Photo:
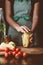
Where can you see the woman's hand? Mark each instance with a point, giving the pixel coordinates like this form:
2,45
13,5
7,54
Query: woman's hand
31,37
23,29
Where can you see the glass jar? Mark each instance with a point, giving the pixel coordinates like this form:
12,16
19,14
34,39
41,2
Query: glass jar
2,26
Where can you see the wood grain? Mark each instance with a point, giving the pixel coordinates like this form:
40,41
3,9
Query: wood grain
32,50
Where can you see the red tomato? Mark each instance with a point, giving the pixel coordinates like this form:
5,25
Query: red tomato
20,53
6,54
9,53
17,56
18,49
14,49
6,49
24,54
13,53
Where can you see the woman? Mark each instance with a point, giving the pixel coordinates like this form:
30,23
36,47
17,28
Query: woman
21,20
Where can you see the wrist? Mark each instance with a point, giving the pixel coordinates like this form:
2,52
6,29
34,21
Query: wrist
32,31
17,26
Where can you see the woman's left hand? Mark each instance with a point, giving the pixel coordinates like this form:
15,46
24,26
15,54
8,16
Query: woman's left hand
31,37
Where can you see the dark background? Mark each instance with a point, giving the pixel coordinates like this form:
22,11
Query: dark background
40,22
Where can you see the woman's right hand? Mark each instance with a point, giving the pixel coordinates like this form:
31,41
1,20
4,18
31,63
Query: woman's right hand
22,29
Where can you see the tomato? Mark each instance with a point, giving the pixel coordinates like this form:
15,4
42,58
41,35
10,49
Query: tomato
6,54
14,49
13,53
20,53
7,49
24,54
18,49
9,53
17,56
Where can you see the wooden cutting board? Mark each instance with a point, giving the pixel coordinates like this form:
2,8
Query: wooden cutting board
32,50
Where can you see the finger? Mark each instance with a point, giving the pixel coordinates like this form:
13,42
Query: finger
24,28
31,35
31,39
22,31
27,28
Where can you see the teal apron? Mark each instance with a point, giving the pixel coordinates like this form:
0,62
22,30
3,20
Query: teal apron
22,9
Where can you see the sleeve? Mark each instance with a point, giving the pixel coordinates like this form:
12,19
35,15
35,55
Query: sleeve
35,1
10,0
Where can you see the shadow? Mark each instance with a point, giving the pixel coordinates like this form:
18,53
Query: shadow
40,24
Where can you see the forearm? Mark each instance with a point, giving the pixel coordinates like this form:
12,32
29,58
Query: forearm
8,14
35,16
34,23
11,22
